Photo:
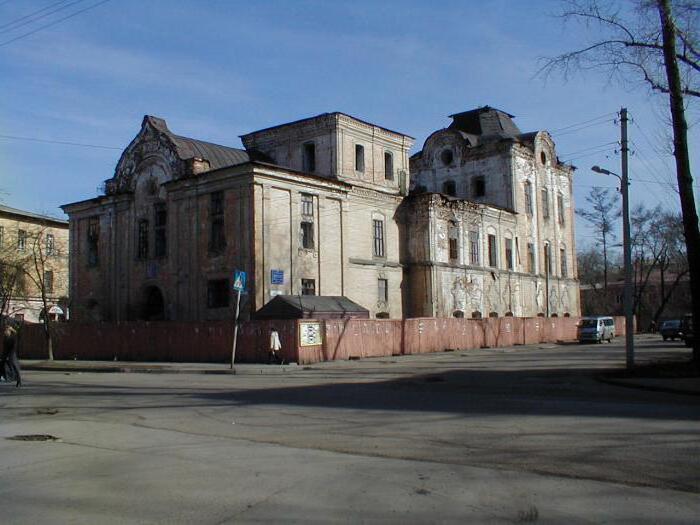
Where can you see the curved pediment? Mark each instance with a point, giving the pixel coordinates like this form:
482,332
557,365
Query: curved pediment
151,147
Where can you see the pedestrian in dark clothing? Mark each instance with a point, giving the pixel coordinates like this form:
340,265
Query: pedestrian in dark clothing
9,363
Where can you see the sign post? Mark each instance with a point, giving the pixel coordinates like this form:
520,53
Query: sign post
239,279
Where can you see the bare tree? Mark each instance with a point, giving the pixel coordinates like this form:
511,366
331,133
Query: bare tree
655,42
12,277
601,216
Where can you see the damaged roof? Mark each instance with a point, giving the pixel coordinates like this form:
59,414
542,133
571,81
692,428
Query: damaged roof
485,122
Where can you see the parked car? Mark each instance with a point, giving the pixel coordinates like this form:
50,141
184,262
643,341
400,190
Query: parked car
670,329
596,329
687,331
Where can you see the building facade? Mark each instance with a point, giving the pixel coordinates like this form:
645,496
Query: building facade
321,206
308,207
489,225
37,247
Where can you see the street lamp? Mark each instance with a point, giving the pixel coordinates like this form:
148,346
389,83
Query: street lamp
627,250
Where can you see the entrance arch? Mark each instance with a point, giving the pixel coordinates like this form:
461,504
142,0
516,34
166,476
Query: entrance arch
153,304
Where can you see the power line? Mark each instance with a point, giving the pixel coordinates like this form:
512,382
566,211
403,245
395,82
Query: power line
565,155
51,24
584,122
30,14
14,25
65,143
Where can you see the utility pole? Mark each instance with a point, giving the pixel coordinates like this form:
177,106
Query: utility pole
626,242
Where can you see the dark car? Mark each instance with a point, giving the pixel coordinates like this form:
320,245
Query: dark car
671,329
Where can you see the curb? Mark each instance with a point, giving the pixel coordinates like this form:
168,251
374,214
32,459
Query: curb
147,370
651,388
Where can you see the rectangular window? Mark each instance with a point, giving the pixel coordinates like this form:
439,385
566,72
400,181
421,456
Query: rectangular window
307,221
545,203
160,223
560,206
21,240
378,250
474,248
359,157
218,294
93,239
562,262
309,161
48,281
308,287
528,198
307,205
547,259
217,233
50,246
142,248
509,254
479,187
383,290
388,166
493,257
454,253
530,257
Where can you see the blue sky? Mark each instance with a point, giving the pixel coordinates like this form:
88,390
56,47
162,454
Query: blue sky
218,69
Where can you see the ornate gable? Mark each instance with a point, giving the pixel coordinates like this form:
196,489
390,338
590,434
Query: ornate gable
152,146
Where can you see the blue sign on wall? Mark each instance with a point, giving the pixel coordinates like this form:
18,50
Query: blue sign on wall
277,276
239,278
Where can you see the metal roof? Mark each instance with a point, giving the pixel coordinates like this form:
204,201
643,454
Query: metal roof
187,148
300,306
31,215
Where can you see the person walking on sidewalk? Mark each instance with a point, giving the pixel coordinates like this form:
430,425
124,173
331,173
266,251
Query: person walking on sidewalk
9,364
275,346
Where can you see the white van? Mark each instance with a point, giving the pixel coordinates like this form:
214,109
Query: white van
596,329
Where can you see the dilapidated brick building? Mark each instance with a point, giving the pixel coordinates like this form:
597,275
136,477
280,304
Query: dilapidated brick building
320,206
489,225
308,207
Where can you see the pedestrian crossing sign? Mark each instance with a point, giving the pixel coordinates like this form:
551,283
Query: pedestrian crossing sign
239,280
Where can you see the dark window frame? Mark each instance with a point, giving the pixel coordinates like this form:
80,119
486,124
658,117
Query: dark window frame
378,236
308,287
142,240
48,281
218,293
359,158
510,264
474,251
160,230
217,223
479,186
493,251
383,290
93,240
388,165
309,157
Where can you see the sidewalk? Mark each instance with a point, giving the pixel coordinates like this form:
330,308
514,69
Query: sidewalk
126,367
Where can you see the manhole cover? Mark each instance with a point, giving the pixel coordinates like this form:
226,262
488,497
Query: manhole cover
34,437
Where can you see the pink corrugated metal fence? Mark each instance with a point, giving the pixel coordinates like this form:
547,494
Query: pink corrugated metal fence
342,338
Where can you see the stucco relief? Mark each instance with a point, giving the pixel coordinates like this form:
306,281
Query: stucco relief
149,148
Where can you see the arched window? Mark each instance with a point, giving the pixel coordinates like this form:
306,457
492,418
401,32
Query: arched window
493,314
476,314
459,314
453,237
447,157
509,314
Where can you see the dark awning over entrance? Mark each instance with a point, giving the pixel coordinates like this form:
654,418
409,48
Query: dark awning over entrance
311,306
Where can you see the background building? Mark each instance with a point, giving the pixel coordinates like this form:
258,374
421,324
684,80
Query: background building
37,247
489,226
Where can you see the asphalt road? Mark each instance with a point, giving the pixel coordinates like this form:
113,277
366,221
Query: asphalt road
502,435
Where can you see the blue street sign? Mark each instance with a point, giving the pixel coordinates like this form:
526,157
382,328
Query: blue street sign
277,276
239,278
